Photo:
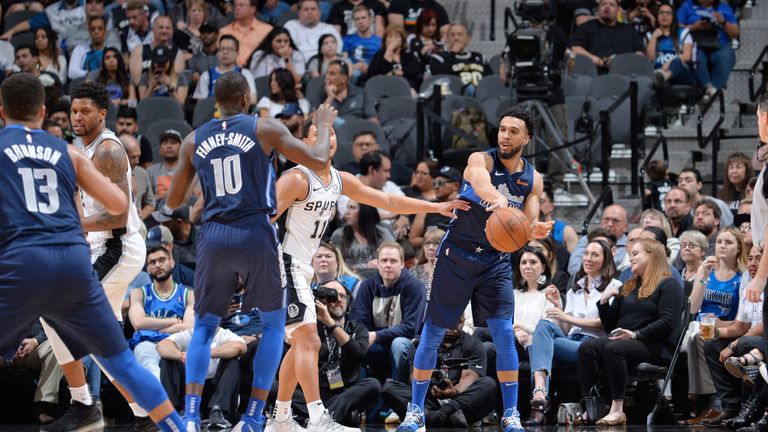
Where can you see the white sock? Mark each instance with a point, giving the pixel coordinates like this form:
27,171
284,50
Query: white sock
137,410
282,411
81,394
316,410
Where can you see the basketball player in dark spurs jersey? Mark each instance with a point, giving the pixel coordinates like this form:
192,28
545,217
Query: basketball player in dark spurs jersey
45,263
234,159
469,268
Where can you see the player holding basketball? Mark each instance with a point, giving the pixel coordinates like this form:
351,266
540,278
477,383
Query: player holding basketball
468,268
310,197
45,265
234,159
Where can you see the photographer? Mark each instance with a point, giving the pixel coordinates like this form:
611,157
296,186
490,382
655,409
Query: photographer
343,345
460,394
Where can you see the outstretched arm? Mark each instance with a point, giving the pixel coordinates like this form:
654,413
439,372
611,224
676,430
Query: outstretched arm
273,133
110,159
183,175
357,191
96,185
477,174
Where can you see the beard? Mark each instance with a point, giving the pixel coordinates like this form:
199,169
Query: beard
336,313
510,154
162,276
704,228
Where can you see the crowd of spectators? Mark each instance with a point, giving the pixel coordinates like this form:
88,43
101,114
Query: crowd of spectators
624,279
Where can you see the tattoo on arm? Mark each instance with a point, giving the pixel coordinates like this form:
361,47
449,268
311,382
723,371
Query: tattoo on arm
111,160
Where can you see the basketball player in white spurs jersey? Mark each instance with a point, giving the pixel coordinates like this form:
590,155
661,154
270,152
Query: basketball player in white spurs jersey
310,198
117,248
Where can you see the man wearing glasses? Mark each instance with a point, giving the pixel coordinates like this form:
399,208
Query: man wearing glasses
227,55
446,183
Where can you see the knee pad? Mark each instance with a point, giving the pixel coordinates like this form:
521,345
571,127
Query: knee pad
504,338
199,350
426,354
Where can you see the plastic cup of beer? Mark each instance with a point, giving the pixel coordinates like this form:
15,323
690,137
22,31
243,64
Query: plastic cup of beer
708,326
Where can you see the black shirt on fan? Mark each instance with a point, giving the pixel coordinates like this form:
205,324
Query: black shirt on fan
341,15
469,66
411,9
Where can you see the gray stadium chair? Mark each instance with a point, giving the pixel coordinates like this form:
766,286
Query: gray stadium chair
262,87
398,120
384,86
491,86
315,91
154,131
154,108
631,64
396,107
26,38
607,86
345,135
204,111
285,17
454,83
583,65
495,63
17,17
576,85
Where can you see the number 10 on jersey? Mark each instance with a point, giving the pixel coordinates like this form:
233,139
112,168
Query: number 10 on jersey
227,175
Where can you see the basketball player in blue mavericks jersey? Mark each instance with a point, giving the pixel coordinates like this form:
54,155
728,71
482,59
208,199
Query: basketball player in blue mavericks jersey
45,263
234,160
469,268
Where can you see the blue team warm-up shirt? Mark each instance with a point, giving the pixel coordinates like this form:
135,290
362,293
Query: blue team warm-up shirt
469,226
237,178
157,307
38,183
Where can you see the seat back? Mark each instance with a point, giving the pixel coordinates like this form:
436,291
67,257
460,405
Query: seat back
204,111
608,85
454,83
262,87
631,64
495,63
315,90
17,17
583,65
285,17
155,108
491,86
396,107
157,128
381,87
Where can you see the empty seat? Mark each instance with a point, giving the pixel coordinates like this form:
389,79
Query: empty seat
454,84
495,63
583,65
204,111
382,87
491,86
315,91
576,85
262,87
155,108
607,86
631,64
285,17
396,107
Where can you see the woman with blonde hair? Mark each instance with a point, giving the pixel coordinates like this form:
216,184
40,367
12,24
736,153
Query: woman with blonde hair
643,321
329,265
428,255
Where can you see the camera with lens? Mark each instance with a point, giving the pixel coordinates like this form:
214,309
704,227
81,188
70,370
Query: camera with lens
326,295
445,364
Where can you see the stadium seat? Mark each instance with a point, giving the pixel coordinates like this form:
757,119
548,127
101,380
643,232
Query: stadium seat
607,86
315,91
454,84
491,86
345,135
398,120
631,64
285,17
384,86
26,38
576,85
583,65
111,113
495,63
262,87
17,17
154,108
160,126
204,111
396,107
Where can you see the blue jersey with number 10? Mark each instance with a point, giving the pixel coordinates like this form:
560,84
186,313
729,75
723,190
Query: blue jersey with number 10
237,178
38,183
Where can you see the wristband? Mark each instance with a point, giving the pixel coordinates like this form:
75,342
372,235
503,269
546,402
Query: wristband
333,327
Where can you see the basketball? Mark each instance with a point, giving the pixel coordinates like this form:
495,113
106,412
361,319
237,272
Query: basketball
508,229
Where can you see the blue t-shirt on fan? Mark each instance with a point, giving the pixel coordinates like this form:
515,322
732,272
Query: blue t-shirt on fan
665,47
360,49
721,297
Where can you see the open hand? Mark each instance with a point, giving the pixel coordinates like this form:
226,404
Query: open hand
499,202
325,115
447,208
541,229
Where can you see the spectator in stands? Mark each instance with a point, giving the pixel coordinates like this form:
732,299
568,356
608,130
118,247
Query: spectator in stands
530,275
187,34
143,196
54,129
327,52
223,372
693,249
247,29
671,49
425,39
677,208
690,179
141,56
35,6
602,38
407,12
138,31
343,345
181,10
363,44
579,320
390,305
341,16
64,17
739,172
207,57
421,186
60,115
271,10
463,397
712,24
394,59
227,55
365,142
162,79
27,61
469,66
128,123
348,100
184,235
655,218
307,29
554,256
160,172
657,186
49,56
161,236
642,15
35,352
87,58
644,321
615,220
706,219
328,264
293,118
428,255
158,309
113,75
446,183
278,51
361,236
563,234
283,91
743,222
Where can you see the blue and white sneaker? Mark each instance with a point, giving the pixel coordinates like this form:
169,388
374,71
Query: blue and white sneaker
511,421
191,424
250,424
414,420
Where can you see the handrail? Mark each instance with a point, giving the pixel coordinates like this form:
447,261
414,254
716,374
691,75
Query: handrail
606,195
661,141
492,33
509,15
753,95
713,135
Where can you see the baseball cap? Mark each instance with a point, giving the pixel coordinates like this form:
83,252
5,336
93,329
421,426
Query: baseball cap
289,110
450,173
741,218
158,235
161,54
180,213
170,133
208,27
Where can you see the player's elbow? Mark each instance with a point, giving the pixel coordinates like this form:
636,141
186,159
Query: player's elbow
117,205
